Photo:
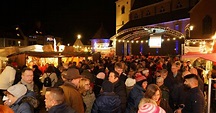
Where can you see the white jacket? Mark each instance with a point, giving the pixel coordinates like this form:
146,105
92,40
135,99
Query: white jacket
7,77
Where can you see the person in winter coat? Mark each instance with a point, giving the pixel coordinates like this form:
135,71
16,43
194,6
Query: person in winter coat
50,72
136,94
18,101
87,94
73,97
108,101
119,89
7,78
54,101
153,92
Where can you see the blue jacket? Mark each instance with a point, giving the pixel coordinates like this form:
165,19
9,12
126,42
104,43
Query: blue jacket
61,108
22,107
135,95
107,102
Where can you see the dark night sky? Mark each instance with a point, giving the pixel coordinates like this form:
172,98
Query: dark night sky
64,18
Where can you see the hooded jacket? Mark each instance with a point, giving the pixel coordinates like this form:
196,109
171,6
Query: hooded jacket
24,104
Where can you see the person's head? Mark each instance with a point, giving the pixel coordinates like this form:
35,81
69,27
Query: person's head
84,85
27,75
118,67
53,97
5,109
191,80
163,73
141,80
71,75
113,76
50,69
150,108
146,100
174,68
14,92
145,72
107,86
153,92
159,81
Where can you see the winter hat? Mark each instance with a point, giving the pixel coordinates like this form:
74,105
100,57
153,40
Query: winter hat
139,77
130,82
101,75
72,73
17,90
150,108
107,86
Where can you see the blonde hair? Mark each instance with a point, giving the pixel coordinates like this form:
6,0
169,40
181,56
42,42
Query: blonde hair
146,100
5,109
81,85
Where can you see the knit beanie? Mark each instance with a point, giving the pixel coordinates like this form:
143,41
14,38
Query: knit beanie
139,79
150,108
17,90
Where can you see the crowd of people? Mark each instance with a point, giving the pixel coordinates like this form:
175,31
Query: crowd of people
140,84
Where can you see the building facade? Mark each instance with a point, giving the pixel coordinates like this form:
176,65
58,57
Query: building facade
167,18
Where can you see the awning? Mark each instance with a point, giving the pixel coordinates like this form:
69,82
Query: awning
208,56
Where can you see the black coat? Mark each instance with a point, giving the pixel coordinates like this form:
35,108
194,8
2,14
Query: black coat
107,102
61,108
195,101
120,90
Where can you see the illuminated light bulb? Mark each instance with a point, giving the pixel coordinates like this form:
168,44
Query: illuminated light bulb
132,41
168,39
128,41
162,40
123,41
146,41
119,40
137,41
141,41
194,42
174,38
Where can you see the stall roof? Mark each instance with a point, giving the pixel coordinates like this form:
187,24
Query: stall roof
53,54
209,56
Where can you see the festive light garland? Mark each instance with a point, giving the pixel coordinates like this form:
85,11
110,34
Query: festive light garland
130,34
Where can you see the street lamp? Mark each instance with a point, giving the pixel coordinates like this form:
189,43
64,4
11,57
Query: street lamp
190,29
19,42
79,36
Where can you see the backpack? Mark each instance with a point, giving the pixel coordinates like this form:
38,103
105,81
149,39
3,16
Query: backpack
47,81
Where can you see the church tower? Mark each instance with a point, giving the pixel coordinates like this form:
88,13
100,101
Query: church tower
123,8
